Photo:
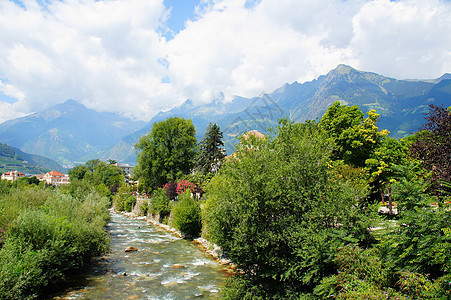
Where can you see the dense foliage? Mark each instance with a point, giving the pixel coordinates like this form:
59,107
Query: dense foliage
187,215
166,153
433,144
124,200
279,212
47,234
106,177
159,204
356,137
296,212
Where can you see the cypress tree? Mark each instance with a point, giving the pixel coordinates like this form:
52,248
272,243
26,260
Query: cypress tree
210,150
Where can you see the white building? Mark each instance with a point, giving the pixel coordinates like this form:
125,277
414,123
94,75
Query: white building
56,178
126,169
12,175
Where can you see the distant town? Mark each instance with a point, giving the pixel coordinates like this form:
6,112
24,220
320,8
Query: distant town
56,178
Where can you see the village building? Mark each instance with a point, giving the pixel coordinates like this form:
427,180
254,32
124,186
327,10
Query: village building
126,169
246,136
56,178
12,175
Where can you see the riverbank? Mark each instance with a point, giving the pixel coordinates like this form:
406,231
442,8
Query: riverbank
163,267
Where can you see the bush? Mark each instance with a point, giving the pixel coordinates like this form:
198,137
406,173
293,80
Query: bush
171,190
187,215
185,185
159,203
124,200
47,241
129,202
144,208
20,270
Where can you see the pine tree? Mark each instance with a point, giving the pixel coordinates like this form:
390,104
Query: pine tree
211,150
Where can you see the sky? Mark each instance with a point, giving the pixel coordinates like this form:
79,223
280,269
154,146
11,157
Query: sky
139,57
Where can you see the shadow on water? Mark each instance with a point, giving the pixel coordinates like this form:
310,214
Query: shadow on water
164,267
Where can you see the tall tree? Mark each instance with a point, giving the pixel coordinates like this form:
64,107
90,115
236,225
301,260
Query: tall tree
433,144
279,212
211,150
166,153
98,173
356,137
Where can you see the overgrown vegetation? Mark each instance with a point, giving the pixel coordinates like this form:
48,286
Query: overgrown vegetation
46,234
297,211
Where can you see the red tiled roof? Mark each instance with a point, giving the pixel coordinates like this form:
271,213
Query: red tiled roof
10,173
55,173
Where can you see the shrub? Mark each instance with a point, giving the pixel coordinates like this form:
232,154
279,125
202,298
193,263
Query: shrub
159,203
171,190
46,242
129,202
187,215
185,185
280,213
124,200
144,208
77,188
20,270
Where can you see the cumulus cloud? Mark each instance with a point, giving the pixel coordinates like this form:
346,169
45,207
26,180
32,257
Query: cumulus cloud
113,55
404,39
103,54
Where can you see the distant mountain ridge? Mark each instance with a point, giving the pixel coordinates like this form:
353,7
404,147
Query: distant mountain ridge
70,132
401,104
67,132
12,159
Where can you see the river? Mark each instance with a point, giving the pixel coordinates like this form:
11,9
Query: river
164,267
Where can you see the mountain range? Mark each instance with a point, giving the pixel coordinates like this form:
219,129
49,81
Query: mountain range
70,132
401,104
67,132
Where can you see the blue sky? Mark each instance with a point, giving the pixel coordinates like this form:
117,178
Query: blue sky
181,11
139,57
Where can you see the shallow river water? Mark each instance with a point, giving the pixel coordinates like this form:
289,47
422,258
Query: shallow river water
164,267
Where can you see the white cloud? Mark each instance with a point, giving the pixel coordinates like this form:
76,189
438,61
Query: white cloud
404,39
111,54
104,54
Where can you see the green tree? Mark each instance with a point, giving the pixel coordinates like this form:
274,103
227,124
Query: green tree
280,213
433,146
379,166
166,153
100,174
339,117
211,150
159,204
420,244
390,152
355,137
78,172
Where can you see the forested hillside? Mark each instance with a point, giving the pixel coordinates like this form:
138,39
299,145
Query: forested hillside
12,159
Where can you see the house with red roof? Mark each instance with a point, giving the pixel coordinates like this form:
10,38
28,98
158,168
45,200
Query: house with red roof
56,178
12,175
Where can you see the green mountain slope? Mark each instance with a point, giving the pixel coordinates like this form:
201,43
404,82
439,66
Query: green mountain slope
12,159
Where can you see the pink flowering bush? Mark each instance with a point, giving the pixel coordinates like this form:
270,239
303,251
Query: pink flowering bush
184,185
